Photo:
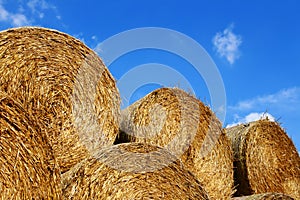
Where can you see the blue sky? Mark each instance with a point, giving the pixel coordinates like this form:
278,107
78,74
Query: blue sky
255,45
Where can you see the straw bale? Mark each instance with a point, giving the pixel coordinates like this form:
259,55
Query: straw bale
265,196
66,85
175,120
27,165
131,171
265,159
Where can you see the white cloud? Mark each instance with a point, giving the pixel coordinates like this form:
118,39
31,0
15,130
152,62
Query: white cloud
37,5
19,20
227,44
286,98
41,15
26,13
250,118
284,104
21,9
3,14
15,19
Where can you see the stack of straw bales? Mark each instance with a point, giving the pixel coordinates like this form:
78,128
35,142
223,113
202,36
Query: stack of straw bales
265,158
183,125
266,196
27,165
130,171
60,115
64,84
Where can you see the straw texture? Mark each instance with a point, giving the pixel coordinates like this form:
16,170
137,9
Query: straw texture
266,196
66,85
27,165
266,159
175,120
131,171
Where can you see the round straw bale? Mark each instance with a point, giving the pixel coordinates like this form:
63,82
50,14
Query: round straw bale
131,171
180,123
66,85
265,159
27,165
265,196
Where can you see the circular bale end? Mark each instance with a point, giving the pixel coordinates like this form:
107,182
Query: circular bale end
266,159
66,85
27,165
266,196
131,171
180,123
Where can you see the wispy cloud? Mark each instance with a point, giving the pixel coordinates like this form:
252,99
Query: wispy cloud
3,14
284,105
288,99
19,20
25,12
80,37
227,44
14,19
250,118
39,6
36,5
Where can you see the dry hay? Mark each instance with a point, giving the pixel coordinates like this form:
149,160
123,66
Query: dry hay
27,165
175,120
131,171
266,196
66,85
266,159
